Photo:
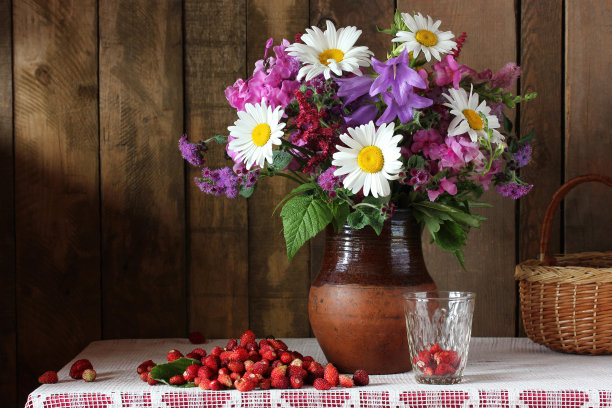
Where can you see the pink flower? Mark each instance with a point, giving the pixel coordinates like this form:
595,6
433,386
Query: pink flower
506,77
445,185
449,71
425,140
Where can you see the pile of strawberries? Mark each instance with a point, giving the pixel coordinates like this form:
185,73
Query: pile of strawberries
80,369
248,364
437,361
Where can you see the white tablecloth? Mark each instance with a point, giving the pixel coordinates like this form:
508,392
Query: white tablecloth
501,372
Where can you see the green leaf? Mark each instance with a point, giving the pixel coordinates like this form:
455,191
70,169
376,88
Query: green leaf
303,218
302,188
280,160
507,124
340,214
247,192
163,372
451,236
366,215
529,137
220,139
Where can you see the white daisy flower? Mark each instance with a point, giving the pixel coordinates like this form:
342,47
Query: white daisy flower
467,116
425,36
256,130
370,160
330,51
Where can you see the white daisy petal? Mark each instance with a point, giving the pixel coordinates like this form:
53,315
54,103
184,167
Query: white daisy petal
425,36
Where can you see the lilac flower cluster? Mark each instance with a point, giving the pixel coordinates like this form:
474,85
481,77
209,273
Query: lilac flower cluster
523,156
514,190
273,80
226,181
191,152
328,182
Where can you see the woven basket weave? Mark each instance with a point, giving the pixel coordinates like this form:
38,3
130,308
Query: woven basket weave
566,302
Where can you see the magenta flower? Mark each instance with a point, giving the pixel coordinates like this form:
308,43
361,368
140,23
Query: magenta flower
445,185
397,75
449,71
191,152
424,140
506,77
523,156
513,190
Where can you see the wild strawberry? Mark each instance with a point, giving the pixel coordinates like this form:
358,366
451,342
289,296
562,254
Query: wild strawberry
296,370
197,338
434,349
321,384
236,366
254,355
204,384
174,355
278,344
298,363
244,385
269,355
247,337
286,357
177,380
280,383
265,348
211,361
275,364
48,377
200,351
197,381
235,376
216,351
145,376
261,367
225,380
89,375
360,377
194,356
280,371
151,380
306,362
256,378
205,372
191,372
447,357
223,370
215,385
76,371
239,354
424,359
445,369
248,364
231,344
331,374
296,382
315,371
429,371
345,381
146,366
297,355
265,384
251,346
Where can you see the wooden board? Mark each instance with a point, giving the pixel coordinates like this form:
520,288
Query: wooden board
588,142
365,16
278,290
56,183
490,252
215,49
142,173
8,334
541,65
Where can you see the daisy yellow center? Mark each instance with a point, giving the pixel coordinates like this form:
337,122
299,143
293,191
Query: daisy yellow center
426,37
332,53
261,134
473,119
370,159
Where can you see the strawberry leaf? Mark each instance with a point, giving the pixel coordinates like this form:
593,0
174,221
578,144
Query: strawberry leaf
303,217
163,372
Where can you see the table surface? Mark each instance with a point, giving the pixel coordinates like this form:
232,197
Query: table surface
501,372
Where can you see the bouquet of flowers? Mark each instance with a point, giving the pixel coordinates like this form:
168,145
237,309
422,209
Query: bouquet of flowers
361,136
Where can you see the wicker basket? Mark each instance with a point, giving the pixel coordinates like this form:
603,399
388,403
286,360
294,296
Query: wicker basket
566,302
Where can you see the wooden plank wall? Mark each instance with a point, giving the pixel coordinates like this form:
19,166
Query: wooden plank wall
103,233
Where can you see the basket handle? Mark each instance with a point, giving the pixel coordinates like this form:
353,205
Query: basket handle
545,257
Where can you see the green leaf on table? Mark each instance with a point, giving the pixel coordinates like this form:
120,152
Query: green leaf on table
303,217
280,160
163,372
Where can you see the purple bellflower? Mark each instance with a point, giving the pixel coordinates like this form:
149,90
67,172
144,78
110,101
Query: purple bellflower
397,75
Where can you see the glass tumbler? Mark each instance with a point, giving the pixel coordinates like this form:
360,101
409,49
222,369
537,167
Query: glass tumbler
439,326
